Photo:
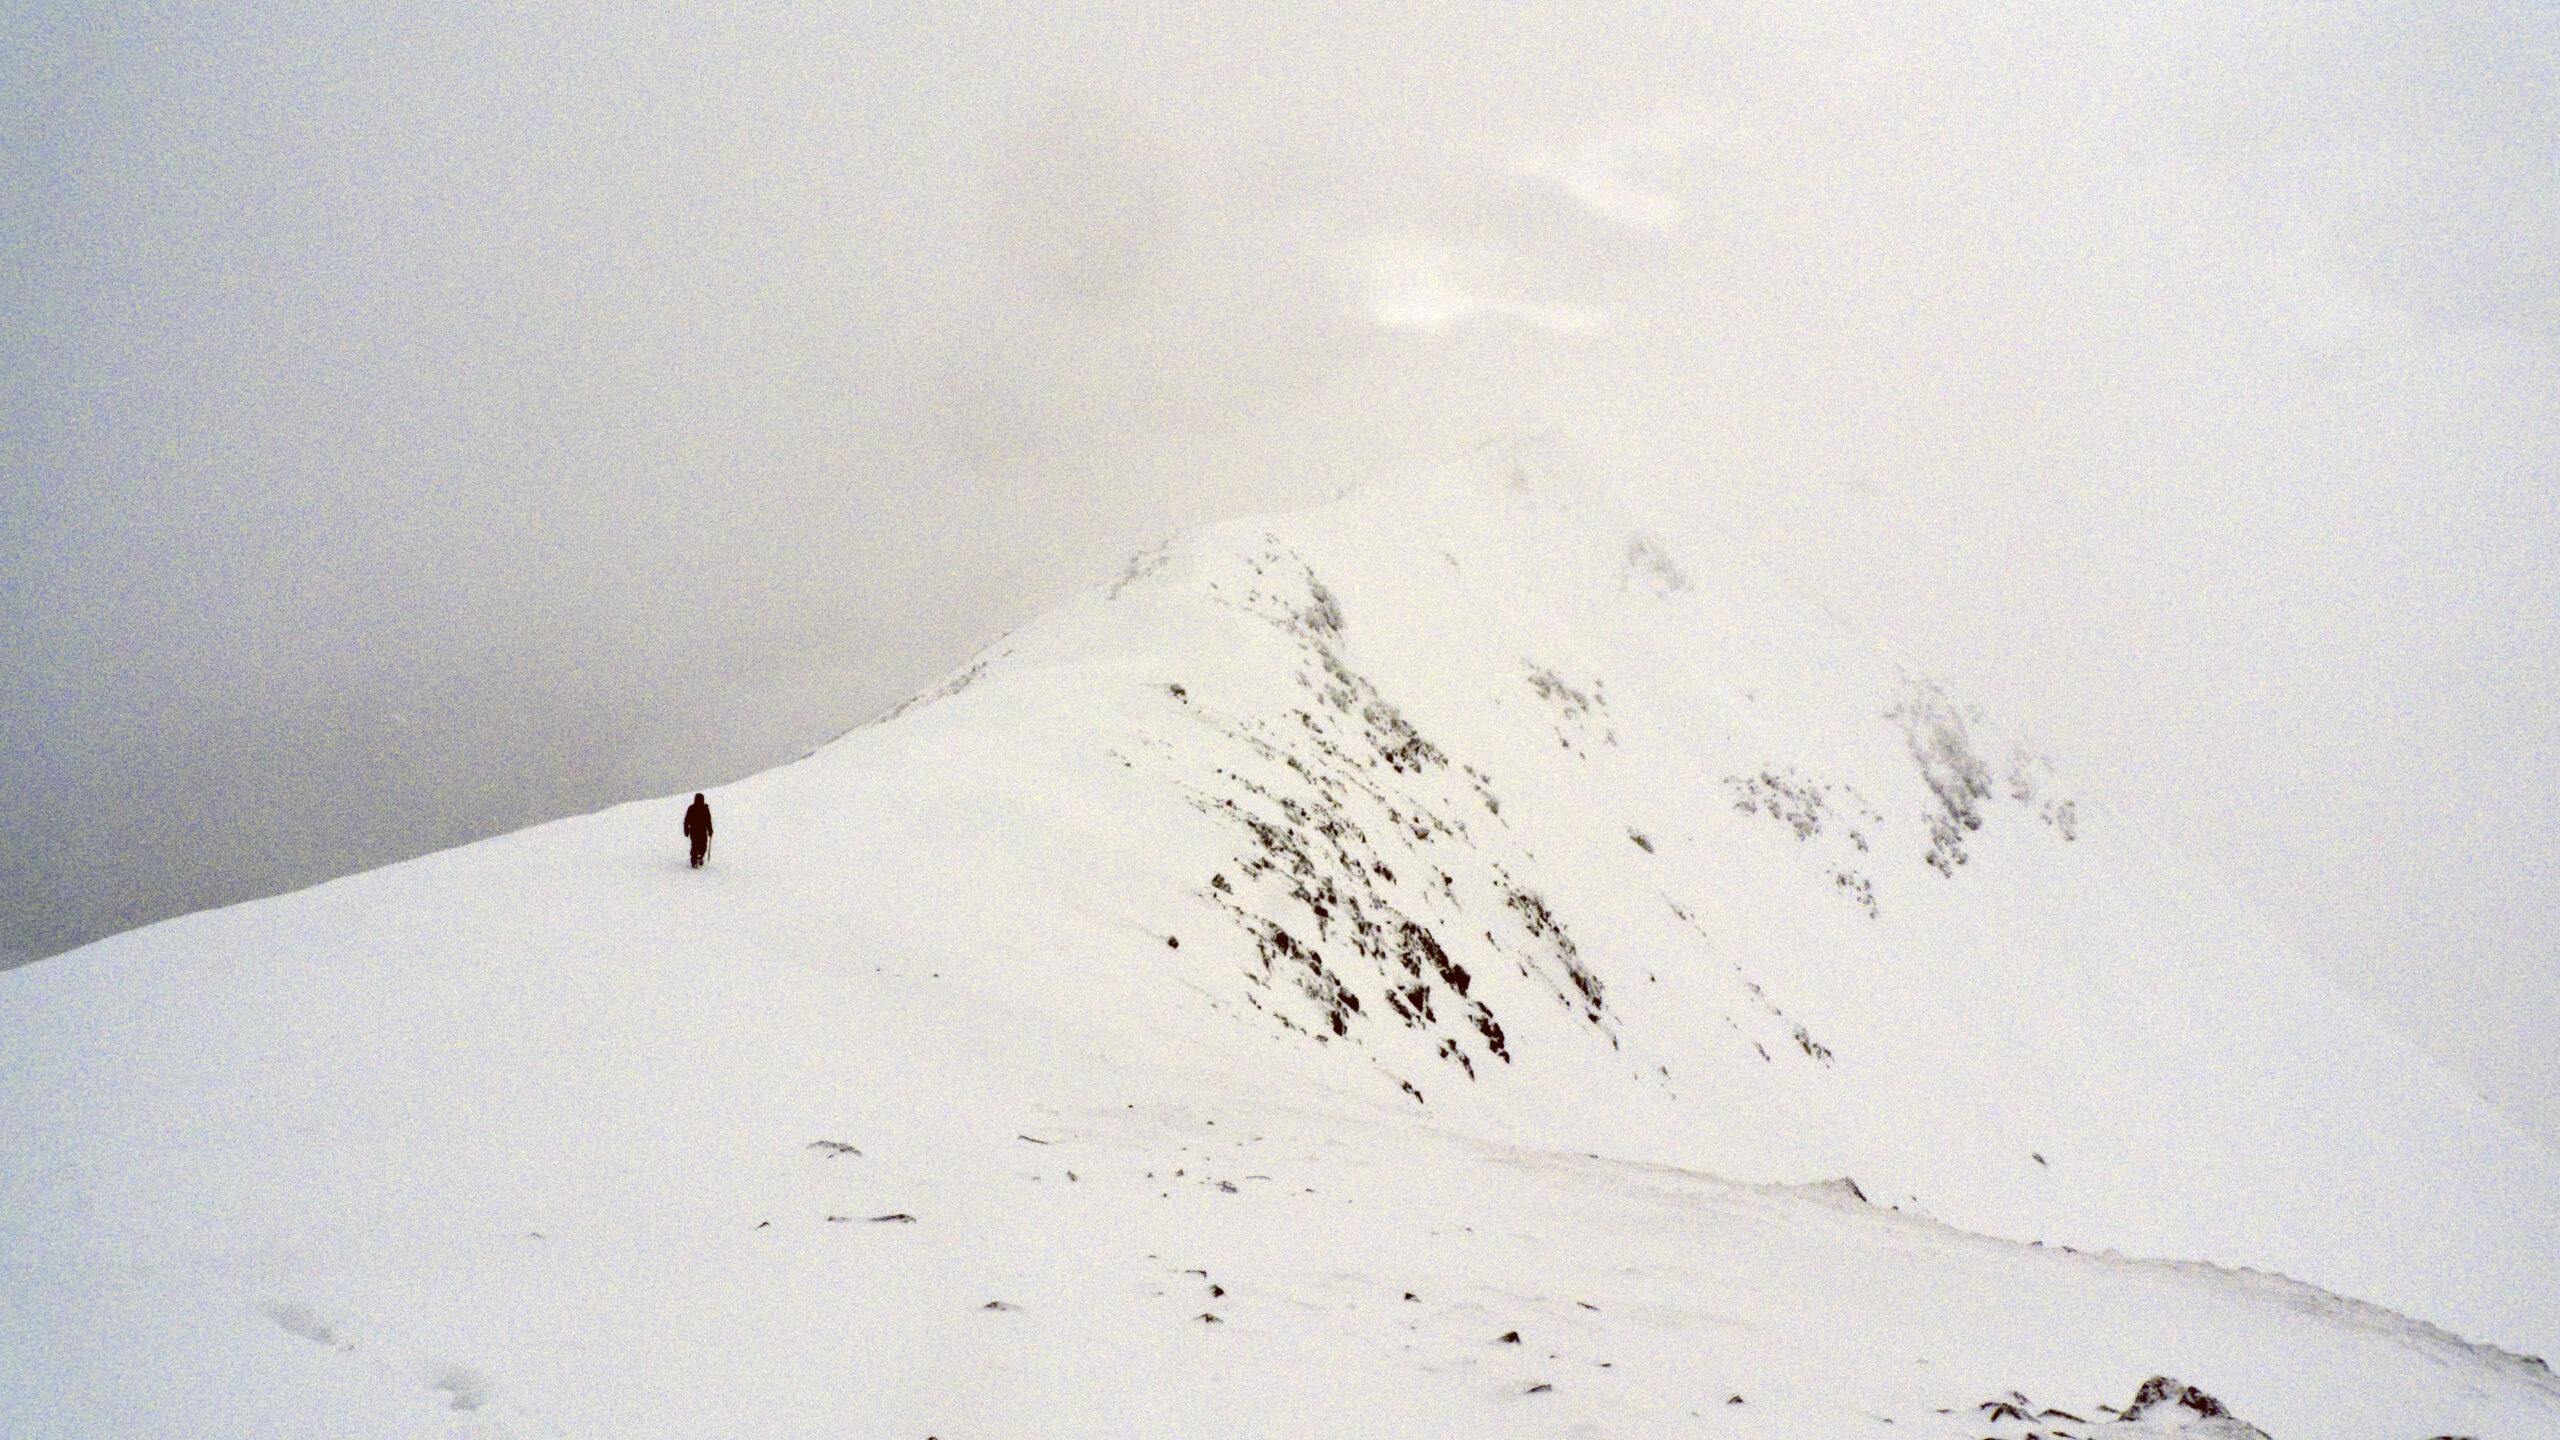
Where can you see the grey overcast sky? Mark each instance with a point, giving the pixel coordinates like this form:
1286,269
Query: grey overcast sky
425,420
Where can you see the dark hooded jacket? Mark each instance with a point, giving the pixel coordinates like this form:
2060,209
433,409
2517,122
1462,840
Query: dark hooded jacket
697,819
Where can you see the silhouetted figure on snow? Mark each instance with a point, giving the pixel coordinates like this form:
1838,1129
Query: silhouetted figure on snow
697,828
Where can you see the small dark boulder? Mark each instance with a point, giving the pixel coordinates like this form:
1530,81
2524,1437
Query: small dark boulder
2160,1392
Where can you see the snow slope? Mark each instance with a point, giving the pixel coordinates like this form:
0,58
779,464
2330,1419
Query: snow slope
1236,1004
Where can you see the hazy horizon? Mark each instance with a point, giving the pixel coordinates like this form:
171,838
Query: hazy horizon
424,421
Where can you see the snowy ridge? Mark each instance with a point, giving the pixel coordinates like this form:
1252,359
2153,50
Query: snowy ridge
1235,1004
1506,799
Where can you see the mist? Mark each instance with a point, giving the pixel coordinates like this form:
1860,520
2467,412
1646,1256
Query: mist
422,422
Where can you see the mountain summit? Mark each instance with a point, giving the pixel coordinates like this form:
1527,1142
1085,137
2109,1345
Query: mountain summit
1468,847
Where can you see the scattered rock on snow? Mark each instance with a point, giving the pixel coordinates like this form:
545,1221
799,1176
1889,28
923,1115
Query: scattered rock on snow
1845,1185
2161,1398
2162,1407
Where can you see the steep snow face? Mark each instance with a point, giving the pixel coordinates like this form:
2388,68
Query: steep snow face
1452,912
1475,795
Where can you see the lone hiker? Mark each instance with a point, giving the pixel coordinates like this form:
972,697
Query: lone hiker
697,828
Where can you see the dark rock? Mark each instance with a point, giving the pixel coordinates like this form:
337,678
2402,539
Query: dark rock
2160,1392
2160,1389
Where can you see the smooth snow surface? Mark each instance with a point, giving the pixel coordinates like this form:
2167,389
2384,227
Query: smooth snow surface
1234,1006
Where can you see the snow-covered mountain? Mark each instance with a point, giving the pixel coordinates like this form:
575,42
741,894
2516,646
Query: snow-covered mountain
1452,962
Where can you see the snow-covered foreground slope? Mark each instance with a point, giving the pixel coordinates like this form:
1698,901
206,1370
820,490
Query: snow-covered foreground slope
1254,994
577,1190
